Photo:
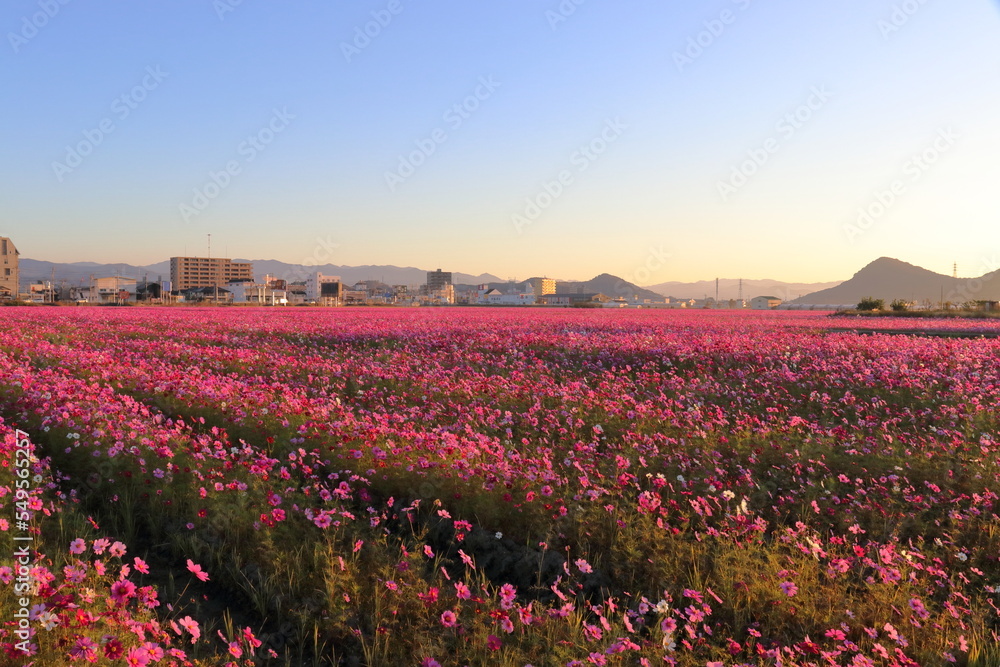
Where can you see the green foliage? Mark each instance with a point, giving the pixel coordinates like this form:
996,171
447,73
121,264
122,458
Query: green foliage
899,306
871,303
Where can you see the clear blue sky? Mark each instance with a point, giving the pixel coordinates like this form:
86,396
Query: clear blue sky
311,119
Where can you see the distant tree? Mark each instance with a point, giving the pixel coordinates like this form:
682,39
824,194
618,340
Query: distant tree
899,305
871,303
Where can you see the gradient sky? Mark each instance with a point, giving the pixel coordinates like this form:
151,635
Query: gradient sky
673,131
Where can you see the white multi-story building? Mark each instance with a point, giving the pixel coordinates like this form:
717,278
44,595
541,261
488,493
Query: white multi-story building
259,293
112,289
314,286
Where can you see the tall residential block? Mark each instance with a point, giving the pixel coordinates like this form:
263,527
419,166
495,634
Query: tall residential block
9,275
191,272
543,286
438,279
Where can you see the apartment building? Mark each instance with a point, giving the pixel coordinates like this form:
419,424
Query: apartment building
437,280
192,272
544,286
9,274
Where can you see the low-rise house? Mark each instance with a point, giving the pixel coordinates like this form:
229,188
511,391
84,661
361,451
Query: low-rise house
573,299
764,302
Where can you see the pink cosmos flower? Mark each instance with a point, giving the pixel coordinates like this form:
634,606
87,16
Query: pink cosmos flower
462,591
789,588
113,649
918,608
196,570
78,546
141,565
507,595
448,618
137,657
122,591
191,626
85,648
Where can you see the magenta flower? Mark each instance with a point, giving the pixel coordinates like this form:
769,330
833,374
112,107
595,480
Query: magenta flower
448,618
192,627
137,657
789,588
196,570
462,591
122,591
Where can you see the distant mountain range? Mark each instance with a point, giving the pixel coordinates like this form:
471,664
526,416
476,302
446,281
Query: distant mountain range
729,288
605,283
885,278
608,285
890,279
79,272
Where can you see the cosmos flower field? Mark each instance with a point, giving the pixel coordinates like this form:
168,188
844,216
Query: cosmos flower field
496,487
